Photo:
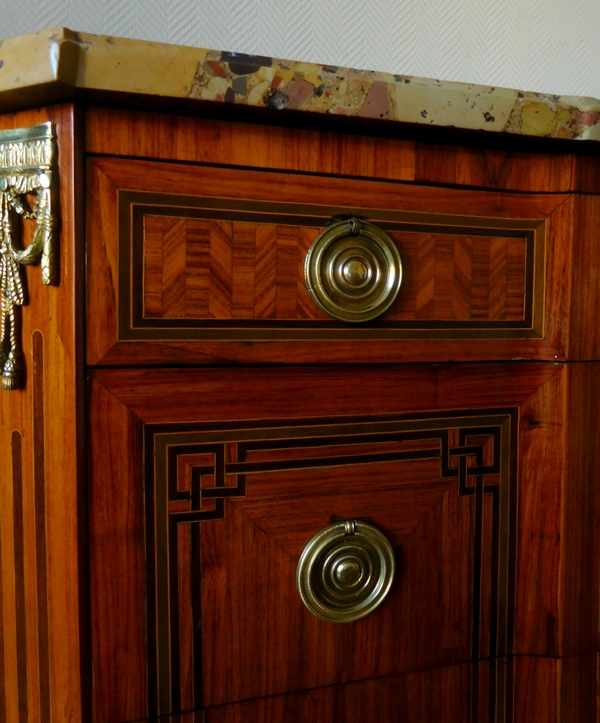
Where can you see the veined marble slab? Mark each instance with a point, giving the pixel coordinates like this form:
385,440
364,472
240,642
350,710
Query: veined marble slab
54,64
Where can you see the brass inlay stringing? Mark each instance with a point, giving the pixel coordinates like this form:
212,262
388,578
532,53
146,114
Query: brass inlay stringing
353,270
27,166
345,571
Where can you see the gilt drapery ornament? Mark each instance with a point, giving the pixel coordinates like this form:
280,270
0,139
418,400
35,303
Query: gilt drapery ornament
27,169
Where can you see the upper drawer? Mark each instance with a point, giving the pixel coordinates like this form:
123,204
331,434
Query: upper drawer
197,264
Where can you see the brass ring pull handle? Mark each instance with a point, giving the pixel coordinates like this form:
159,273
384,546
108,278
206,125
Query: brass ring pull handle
345,571
353,270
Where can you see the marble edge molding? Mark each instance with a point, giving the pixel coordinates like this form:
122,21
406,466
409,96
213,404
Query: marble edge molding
70,61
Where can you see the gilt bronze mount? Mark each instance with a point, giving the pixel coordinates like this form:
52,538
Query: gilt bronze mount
27,169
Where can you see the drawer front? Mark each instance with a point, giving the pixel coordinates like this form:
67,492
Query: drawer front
204,265
206,486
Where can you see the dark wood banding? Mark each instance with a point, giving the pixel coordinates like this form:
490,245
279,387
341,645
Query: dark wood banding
20,602
39,477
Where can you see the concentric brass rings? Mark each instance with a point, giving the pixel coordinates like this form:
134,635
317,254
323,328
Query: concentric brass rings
345,571
353,270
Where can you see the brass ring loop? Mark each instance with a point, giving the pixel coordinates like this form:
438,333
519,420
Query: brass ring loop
353,270
345,571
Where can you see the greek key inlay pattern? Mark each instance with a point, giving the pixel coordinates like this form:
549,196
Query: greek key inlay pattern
195,471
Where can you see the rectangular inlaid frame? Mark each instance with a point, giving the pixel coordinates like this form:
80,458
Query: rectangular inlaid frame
165,443
135,326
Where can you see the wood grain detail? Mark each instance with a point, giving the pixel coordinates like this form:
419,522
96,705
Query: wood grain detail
179,277
192,480
438,695
191,139
190,264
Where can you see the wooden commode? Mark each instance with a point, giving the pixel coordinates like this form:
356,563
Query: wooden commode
300,419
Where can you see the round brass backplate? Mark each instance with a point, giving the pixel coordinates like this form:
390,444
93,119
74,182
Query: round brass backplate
345,571
353,270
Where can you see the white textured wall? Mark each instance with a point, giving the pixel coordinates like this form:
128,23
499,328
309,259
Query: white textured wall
551,46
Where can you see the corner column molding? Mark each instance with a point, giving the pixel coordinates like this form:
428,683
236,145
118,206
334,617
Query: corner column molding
28,176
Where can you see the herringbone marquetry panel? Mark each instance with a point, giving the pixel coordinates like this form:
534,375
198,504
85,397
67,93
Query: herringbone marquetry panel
214,269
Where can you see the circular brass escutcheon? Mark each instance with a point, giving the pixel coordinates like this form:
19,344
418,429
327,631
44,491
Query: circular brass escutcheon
353,270
345,571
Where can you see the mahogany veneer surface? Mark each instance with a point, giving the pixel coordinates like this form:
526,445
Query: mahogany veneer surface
369,155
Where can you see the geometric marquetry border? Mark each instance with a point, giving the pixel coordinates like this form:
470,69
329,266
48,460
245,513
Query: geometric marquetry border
222,450
134,325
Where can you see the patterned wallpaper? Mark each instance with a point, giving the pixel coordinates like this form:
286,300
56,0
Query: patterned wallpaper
540,45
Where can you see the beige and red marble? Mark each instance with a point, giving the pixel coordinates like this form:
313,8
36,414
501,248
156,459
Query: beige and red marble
54,64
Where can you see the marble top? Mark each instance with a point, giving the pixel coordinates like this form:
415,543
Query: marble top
53,65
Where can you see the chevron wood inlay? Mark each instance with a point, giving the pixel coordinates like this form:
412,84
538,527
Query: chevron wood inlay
220,265
480,281
425,278
197,289
153,251
174,296
265,274
461,300
231,270
306,305
214,269
244,253
497,302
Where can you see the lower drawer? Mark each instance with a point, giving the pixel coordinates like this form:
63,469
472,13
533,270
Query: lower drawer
206,487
